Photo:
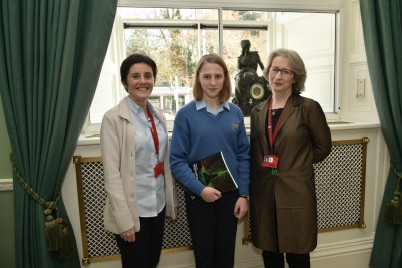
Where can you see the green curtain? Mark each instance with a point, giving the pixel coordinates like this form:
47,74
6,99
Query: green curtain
382,27
51,55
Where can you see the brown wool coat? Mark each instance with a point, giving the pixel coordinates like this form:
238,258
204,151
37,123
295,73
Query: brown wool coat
304,138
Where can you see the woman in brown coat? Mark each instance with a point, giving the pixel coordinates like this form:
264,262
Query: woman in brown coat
289,133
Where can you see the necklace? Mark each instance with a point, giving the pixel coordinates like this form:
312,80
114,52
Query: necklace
274,111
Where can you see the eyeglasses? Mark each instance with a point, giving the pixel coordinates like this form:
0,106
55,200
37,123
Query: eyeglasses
284,72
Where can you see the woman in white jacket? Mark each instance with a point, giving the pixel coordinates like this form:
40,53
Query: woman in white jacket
139,184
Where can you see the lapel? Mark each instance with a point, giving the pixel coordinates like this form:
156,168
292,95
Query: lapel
123,109
261,120
290,107
262,109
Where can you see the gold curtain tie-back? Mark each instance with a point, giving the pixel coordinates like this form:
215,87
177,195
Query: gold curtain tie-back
56,233
393,209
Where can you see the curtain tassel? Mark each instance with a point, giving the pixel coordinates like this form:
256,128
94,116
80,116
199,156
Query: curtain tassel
65,251
393,209
53,232
57,236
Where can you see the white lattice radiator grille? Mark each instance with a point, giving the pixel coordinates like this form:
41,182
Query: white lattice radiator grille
340,181
99,244
340,185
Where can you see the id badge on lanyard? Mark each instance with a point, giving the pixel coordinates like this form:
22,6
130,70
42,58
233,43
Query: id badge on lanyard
270,161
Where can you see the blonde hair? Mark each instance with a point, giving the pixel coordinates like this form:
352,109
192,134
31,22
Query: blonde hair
226,91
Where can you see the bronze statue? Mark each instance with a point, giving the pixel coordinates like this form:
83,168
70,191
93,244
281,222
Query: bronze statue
250,89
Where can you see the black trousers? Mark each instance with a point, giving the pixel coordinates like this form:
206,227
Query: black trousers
213,230
276,260
145,251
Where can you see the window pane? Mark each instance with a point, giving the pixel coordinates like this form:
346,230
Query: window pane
176,49
312,35
232,48
245,15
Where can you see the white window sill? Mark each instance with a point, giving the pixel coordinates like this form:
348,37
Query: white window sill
92,137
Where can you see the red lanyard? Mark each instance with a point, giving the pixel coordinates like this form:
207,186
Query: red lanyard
154,132
272,136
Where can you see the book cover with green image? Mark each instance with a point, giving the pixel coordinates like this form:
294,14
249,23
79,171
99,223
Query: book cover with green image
212,171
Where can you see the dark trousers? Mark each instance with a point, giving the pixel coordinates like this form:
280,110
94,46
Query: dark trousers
276,260
213,230
145,251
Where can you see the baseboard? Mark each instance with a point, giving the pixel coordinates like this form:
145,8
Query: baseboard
346,254
344,247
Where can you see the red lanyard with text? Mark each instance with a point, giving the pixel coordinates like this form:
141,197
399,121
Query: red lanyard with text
158,169
154,132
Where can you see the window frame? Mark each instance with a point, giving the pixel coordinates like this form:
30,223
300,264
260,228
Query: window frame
117,41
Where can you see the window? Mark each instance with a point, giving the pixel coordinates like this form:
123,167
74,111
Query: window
176,38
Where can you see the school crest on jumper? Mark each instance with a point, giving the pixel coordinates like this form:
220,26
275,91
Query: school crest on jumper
235,125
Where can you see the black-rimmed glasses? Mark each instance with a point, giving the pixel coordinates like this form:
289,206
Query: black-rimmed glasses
284,72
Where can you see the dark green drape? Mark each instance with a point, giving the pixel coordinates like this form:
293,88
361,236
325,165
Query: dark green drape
51,55
382,27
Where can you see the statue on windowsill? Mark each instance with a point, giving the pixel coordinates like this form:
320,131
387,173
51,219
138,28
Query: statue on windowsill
250,89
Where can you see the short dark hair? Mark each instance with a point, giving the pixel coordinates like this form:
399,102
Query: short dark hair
226,91
296,64
134,59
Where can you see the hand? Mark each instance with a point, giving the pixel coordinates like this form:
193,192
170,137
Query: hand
210,194
176,213
129,235
241,208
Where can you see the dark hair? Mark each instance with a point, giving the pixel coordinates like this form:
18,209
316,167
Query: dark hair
296,64
226,91
134,59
